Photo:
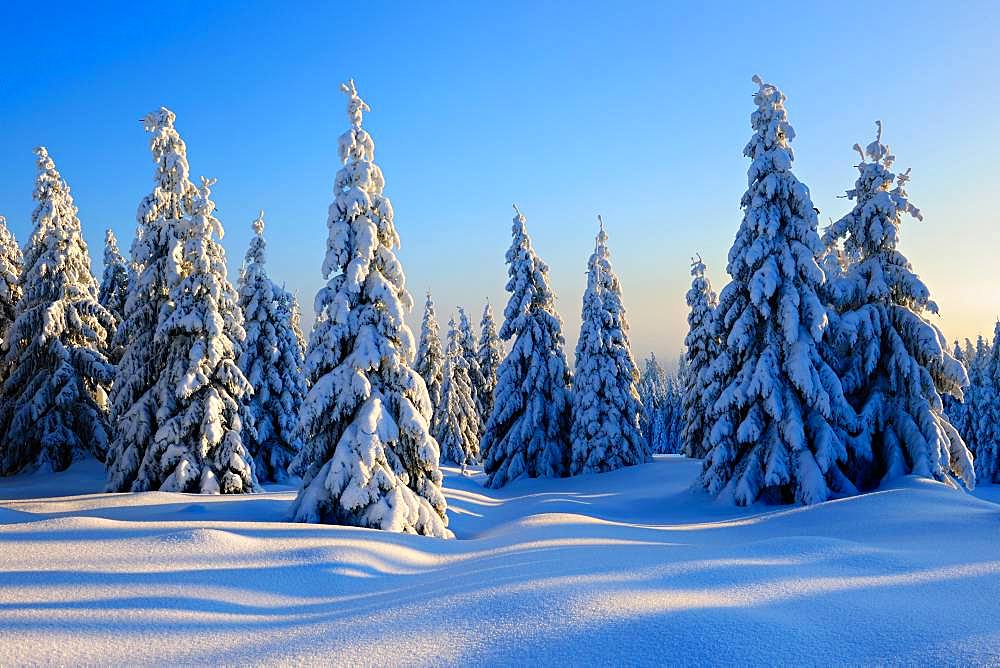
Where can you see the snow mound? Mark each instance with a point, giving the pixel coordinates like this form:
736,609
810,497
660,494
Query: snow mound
627,567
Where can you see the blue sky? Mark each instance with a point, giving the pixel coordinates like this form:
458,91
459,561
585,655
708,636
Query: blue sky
568,109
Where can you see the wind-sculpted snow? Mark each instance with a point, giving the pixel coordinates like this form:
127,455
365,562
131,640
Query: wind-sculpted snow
628,567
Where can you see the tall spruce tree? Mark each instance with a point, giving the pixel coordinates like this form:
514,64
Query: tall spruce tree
673,414
53,404
701,349
526,435
198,446
272,363
605,433
955,408
776,431
114,285
653,395
368,460
11,262
467,341
457,422
979,392
896,364
292,312
490,355
429,362
144,357
987,453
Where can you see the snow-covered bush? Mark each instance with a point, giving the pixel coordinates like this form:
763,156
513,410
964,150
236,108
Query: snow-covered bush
775,422
272,363
895,363
527,434
368,458
53,404
457,422
605,433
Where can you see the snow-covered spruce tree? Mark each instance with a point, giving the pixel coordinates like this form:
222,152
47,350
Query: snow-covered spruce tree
114,285
143,360
979,391
429,362
467,340
652,394
987,453
11,262
965,419
291,312
457,422
953,407
53,404
368,458
527,434
970,352
672,415
776,431
605,433
490,355
701,349
272,363
896,363
197,446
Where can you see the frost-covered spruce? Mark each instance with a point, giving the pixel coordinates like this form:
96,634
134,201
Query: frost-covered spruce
467,341
490,355
976,394
11,262
272,363
896,363
114,285
457,422
673,415
605,433
53,404
964,417
368,458
701,349
292,312
652,395
527,434
197,446
987,453
429,362
133,404
775,431
953,407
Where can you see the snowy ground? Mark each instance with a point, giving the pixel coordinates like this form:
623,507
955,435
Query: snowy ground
622,568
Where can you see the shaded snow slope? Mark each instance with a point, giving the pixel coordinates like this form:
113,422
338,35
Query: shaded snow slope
628,567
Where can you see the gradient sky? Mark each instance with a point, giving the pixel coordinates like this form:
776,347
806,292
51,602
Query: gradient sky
568,109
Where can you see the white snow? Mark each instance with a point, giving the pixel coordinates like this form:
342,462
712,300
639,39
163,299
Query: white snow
627,567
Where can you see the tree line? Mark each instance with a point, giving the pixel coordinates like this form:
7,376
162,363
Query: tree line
815,373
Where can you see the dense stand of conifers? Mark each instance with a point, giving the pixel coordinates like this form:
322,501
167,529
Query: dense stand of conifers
815,373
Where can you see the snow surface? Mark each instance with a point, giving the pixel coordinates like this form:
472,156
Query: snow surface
627,567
